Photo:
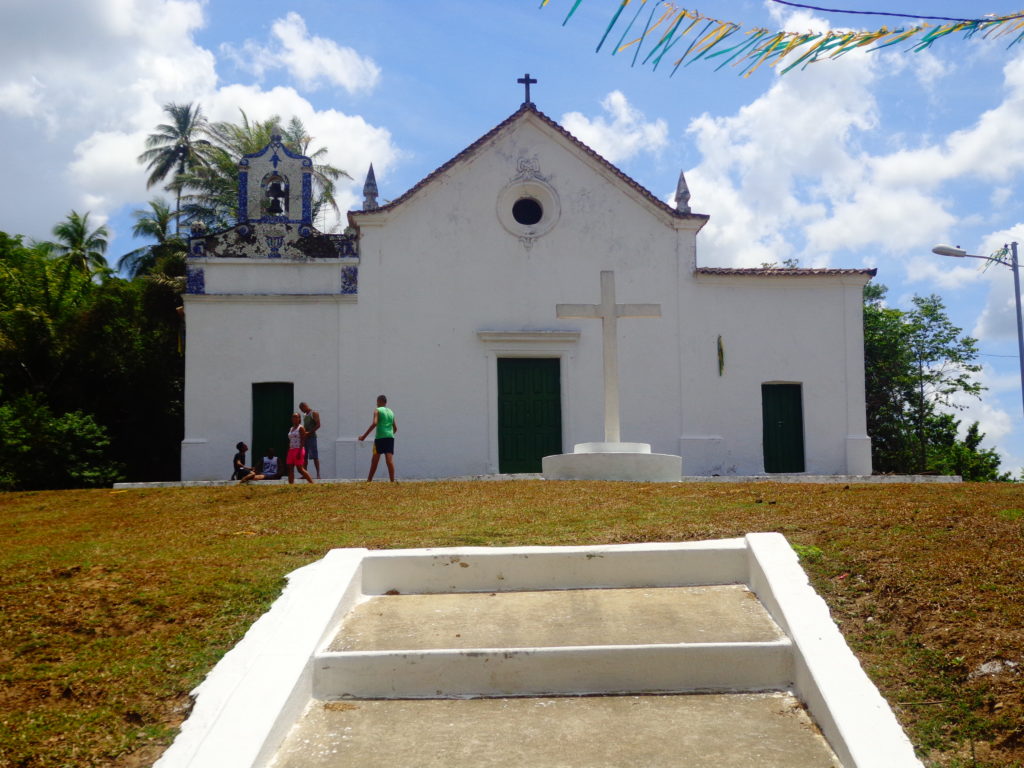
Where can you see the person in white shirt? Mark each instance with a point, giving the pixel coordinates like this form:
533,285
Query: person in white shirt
270,469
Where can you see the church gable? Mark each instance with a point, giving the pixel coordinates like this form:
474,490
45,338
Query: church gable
525,168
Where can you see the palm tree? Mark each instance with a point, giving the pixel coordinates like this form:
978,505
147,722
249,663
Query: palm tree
177,147
153,223
214,186
79,248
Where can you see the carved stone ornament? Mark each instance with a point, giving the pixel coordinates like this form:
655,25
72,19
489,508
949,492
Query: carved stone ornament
528,168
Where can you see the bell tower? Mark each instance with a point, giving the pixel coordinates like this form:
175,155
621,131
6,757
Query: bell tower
275,186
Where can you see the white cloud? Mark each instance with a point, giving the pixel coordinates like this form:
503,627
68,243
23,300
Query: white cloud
91,76
21,99
998,319
772,174
352,143
79,57
929,69
95,77
992,149
947,273
106,161
625,135
790,170
1000,196
896,218
309,59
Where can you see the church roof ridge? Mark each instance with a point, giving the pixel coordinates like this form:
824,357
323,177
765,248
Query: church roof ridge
783,271
526,107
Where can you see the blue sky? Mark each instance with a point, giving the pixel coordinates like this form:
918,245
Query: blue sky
865,161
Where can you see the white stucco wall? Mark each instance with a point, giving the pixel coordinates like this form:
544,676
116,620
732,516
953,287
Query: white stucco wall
775,330
445,289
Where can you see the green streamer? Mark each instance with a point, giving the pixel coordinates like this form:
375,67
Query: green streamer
615,19
630,26
572,11
643,37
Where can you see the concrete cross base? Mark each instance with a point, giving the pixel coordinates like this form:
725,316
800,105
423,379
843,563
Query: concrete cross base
607,447
614,461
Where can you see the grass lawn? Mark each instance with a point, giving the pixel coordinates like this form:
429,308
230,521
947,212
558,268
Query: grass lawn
114,604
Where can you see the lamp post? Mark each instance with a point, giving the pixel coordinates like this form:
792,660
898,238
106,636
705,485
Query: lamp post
960,253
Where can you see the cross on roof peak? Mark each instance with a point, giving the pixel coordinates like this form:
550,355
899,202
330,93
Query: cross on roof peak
527,80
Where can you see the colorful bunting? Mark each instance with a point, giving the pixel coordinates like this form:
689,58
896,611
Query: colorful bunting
709,38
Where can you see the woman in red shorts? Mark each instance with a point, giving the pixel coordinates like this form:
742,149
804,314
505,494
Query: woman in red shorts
296,453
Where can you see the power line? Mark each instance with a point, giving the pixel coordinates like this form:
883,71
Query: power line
894,14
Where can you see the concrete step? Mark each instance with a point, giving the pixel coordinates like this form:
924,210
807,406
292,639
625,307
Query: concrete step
710,638
697,731
569,617
341,670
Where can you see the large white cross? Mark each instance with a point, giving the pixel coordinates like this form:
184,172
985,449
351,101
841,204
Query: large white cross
609,312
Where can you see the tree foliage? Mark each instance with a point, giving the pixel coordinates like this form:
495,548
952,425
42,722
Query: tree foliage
102,355
81,249
91,364
43,450
163,256
210,190
177,147
918,366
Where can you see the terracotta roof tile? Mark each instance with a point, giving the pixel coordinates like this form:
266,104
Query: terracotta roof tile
530,107
781,271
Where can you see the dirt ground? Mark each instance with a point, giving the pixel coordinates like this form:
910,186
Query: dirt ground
113,606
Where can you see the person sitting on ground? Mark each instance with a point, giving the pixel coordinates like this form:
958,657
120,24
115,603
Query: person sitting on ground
239,468
270,469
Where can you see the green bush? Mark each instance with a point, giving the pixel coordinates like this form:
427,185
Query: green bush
41,450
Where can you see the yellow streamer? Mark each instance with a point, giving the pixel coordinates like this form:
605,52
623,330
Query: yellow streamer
779,46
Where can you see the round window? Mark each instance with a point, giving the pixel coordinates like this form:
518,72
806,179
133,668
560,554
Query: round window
527,211
528,208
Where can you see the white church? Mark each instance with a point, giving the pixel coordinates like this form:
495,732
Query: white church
444,300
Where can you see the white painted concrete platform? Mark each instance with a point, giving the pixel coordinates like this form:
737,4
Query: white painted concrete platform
820,479
631,462
323,651
763,730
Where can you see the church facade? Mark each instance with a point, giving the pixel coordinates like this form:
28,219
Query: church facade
444,300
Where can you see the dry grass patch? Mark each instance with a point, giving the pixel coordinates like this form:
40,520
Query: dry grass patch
114,604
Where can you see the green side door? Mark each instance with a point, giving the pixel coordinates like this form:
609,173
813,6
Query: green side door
273,404
529,412
782,418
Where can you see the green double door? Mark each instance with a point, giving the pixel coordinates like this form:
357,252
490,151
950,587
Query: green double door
273,404
782,416
529,412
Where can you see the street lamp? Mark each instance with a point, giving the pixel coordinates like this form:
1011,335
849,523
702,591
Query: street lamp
960,253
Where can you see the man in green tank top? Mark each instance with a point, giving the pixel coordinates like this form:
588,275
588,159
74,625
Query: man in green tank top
384,437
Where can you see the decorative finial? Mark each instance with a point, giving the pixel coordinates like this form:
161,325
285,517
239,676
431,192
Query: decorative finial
370,191
682,195
527,80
